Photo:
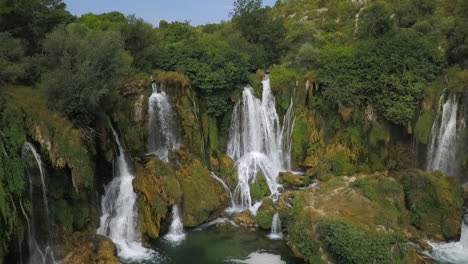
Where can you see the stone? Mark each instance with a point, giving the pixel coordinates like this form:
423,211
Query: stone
244,219
292,179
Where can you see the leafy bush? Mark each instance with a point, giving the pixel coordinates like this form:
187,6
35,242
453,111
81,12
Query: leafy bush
12,61
351,244
83,66
390,73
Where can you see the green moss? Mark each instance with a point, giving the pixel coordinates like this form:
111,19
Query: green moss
213,133
379,133
341,165
283,82
299,145
435,202
64,214
423,126
259,188
265,214
352,244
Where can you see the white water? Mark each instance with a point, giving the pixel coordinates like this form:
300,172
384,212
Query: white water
176,230
162,126
40,249
256,143
276,233
453,253
447,137
119,219
261,258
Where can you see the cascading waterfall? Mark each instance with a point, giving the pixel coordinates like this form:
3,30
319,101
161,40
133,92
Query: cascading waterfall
162,126
448,135
40,225
256,143
446,146
455,252
276,233
176,230
119,219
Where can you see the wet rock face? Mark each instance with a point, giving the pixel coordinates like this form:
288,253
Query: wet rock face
291,179
245,219
92,249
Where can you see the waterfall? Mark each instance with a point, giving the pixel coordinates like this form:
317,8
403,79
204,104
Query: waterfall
276,228
447,136
464,233
162,126
119,219
176,230
455,252
40,224
256,143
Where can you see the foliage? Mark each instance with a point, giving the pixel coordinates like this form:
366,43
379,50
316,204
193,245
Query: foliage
374,21
214,69
13,64
12,178
390,73
83,67
283,84
259,188
352,244
435,202
31,20
258,26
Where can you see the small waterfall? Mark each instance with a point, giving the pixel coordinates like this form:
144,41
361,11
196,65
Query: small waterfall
162,125
276,233
455,252
40,224
225,186
447,136
176,231
119,219
464,233
256,143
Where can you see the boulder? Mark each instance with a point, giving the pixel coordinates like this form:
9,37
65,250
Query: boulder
95,249
244,219
289,178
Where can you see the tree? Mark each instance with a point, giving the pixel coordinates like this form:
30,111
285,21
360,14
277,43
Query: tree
13,63
83,66
257,26
374,21
215,70
32,19
391,73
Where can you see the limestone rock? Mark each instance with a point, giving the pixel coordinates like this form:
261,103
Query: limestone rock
292,179
96,249
244,219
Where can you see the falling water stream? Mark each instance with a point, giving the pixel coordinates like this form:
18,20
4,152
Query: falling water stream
39,225
257,144
119,219
276,233
162,126
176,230
446,146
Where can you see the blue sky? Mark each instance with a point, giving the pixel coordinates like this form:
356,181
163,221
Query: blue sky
199,12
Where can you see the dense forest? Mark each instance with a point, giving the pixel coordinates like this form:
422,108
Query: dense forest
344,122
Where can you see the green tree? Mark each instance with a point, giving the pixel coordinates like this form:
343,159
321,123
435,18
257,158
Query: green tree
214,68
12,60
391,73
83,66
32,19
258,26
374,21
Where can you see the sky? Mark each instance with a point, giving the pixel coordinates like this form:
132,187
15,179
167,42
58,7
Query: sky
198,12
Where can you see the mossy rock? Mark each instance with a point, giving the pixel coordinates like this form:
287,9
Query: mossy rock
423,126
203,198
244,219
291,179
435,202
157,188
259,188
226,166
91,249
265,214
